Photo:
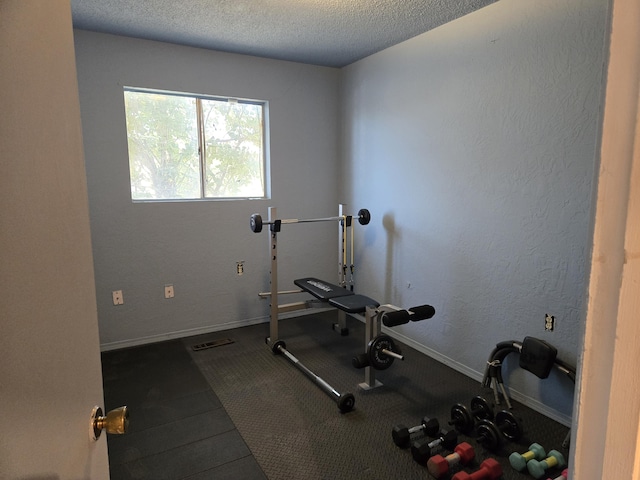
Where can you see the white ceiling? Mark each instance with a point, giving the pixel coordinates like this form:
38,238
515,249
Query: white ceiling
331,33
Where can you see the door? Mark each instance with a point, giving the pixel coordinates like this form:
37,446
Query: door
50,374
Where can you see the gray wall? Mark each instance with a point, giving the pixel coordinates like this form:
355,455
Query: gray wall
138,248
474,147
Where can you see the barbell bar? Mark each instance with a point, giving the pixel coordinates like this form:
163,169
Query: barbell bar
256,222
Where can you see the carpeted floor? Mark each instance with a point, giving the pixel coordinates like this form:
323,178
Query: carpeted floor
295,431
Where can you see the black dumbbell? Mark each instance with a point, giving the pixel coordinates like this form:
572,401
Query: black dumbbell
422,450
402,435
490,434
463,419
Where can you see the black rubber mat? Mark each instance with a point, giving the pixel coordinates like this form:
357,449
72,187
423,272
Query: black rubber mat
295,430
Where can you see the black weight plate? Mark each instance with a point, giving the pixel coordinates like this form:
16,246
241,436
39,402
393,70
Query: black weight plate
364,217
509,425
346,402
488,434
461,418
256,223
481,408
377,358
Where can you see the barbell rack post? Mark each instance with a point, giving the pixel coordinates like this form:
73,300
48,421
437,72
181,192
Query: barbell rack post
372,330
345,401
273,306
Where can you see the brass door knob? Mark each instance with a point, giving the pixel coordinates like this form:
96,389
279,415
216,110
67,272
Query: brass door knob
116,421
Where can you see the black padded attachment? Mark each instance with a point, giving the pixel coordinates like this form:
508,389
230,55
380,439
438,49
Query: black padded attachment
423,312
353,303
393,319
537,356
320,289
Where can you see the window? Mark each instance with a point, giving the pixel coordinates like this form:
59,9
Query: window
193,147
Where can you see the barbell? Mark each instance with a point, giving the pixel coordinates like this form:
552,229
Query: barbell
256,222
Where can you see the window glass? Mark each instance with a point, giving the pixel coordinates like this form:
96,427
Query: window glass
188,147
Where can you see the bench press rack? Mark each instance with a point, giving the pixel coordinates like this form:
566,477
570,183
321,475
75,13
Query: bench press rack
324,292
380,350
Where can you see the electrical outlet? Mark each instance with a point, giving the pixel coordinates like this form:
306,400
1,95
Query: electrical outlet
549,322
168,291
118,299
240,267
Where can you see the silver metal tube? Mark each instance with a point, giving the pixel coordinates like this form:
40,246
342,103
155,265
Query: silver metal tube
281,292
319,381
392,354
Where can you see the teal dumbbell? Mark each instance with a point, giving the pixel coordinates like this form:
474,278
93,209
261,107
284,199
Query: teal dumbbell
538,468
519,460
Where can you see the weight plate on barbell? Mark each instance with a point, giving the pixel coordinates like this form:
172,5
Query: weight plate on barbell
377,358
256,223
364,217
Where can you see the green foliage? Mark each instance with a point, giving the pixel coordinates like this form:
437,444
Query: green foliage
233,133
164,147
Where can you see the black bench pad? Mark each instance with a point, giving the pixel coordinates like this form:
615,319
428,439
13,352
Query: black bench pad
321,289
353,303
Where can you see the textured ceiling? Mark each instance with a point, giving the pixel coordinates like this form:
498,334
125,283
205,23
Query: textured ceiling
332,33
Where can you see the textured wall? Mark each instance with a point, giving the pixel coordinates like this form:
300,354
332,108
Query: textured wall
138,248
474,147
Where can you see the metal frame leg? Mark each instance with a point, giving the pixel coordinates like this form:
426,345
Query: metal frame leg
372,329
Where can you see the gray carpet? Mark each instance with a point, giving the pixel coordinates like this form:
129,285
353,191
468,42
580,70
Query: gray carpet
295,430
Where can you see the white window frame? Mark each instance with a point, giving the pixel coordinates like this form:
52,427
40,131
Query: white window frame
265,163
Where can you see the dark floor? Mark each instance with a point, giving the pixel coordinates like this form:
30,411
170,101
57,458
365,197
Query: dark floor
178,428
266,420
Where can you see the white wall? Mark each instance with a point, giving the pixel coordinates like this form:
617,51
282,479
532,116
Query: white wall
138,248
474,147
607,420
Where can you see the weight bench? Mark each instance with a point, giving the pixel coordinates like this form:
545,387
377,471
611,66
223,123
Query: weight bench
345,300
380,350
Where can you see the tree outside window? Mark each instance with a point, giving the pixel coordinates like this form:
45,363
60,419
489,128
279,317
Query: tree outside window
194,147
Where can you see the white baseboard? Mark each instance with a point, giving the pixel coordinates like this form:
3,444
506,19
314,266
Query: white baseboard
136,342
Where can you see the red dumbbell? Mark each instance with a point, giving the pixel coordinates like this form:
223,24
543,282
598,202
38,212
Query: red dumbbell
439,466
490,469
563,476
